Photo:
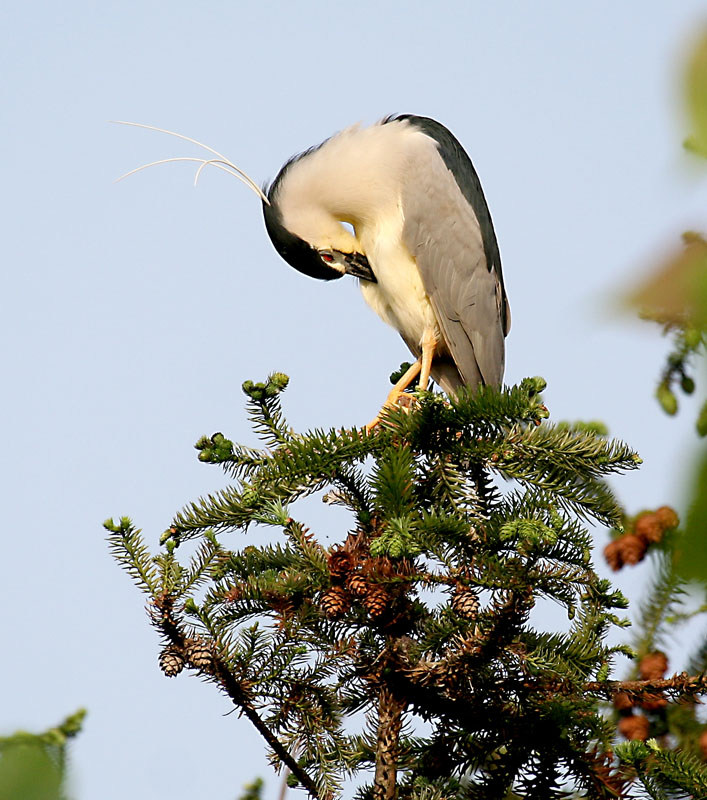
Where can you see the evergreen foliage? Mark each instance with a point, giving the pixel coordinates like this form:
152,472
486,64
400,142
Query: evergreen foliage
33,765
465,514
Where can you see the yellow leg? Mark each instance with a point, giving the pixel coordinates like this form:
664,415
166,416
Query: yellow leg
422,366
429,343
397,390
403,383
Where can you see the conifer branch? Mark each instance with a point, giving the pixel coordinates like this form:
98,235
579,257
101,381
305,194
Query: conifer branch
129,549
208,661
424,607
664,773
679,686
662,597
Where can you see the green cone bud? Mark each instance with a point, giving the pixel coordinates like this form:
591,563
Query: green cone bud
256,391
377,547
702,421
249,497
693,338
534,385
277,382
687,384
279,379
398,374
667,399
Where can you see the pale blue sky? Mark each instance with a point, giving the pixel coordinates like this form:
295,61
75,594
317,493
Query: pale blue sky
132,313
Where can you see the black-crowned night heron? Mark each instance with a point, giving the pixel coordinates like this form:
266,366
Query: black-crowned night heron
399,206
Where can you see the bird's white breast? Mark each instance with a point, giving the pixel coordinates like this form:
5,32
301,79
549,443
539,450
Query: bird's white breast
399,297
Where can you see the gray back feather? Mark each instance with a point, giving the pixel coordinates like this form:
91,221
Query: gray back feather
452,250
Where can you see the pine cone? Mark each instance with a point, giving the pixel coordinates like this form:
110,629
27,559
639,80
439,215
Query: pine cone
633,548
171,661
376,601
649,527
380,567
358,585
452,673
653,702
335,602
340,563
634,727
465,602
199,654
622,702
613,556
668,517
703,743
234,594
653,666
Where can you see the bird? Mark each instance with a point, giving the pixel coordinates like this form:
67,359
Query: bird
398,206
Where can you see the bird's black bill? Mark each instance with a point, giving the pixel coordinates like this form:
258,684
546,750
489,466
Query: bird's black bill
357,265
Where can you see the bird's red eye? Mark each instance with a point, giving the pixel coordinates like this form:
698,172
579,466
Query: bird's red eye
328,257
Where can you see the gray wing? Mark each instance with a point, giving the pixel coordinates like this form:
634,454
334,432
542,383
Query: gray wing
460,268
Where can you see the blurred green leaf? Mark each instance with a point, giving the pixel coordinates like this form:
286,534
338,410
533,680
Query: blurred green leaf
677,293
692,553
28,772
702,420
253,790
696,98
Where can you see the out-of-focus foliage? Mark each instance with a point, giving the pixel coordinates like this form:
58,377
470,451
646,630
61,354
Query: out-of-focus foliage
693,561
696,97
28,772
676,295
676,298
32,765
253,790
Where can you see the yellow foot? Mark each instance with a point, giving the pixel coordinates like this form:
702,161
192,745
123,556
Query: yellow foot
402,399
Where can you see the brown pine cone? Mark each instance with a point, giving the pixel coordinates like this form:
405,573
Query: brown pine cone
335,602
340,563
199,654
357,585
653,702
649,527
633,548
634,727
668,517
171,661
653,666
465,602
703,743
622,702
613,556
234,594
379,567
376,601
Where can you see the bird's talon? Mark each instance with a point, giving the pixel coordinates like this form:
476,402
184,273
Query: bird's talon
403,399
406,400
